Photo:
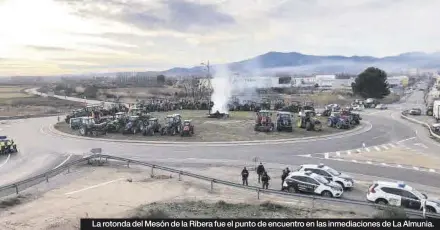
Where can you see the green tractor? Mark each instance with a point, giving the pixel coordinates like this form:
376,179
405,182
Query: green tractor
151,127
307,120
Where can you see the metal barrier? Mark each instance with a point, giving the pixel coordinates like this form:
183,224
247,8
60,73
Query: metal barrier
15,187
432,133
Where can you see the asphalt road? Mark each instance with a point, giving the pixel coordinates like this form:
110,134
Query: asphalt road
41,150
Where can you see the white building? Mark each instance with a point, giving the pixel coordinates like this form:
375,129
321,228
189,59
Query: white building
398,80
325,80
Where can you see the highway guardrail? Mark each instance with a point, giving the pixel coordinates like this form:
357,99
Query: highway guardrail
431,132
17,187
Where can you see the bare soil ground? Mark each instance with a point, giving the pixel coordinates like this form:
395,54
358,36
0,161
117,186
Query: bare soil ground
239,127
400,156
130,192
14,102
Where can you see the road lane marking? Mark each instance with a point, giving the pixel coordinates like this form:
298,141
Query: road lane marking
377,148
338,154
421,145
392,146
385,147
348,152
6,161
368,150
406,140
63,162
94,186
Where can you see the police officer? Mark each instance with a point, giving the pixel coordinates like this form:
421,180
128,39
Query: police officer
2,147
260,171
283,177
265,179
244,176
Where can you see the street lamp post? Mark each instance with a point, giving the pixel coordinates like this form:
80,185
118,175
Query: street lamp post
208,68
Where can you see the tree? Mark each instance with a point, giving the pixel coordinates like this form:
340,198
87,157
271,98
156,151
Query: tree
160,79
372,83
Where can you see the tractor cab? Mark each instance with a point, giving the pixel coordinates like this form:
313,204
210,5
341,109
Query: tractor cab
284,115
171,119
87,121
119,115
264,116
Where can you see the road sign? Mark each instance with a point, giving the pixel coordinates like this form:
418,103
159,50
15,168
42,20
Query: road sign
96,150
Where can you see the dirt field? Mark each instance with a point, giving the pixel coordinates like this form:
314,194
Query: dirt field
239,127
129,192
14,102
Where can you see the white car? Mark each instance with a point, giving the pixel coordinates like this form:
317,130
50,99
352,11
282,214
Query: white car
401,195
358,107
381,106
344,180
308,182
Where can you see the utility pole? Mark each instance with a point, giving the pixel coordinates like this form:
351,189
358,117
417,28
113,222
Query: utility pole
208,68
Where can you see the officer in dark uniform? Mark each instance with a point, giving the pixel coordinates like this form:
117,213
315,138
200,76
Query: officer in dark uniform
260,171
244,176
283,177
265,179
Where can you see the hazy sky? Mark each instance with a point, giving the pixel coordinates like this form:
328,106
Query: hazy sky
47,37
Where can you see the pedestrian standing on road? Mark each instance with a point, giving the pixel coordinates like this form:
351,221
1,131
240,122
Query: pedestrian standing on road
283,177
244,176
265,178
260,171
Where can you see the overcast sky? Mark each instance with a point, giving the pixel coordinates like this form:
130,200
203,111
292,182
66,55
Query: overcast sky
48,37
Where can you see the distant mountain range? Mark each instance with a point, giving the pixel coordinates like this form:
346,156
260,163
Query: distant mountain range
278,62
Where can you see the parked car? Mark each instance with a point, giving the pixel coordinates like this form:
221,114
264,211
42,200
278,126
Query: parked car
401,195
308,182
381,106
415,111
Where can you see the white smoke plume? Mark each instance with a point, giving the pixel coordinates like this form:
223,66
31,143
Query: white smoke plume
222,87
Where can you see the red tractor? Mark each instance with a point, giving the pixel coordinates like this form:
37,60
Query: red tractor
263,122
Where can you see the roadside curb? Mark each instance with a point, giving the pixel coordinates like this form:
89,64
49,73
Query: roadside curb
2,118
358,130
433,135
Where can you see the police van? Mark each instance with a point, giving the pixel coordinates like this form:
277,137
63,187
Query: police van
330,174
309,182
401,195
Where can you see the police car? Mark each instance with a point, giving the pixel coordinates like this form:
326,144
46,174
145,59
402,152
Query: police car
330,174
401,195
308,182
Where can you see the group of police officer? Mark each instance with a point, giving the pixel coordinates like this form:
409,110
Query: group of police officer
7,145
263,177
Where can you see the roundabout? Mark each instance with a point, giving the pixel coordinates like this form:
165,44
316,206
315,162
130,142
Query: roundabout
50,148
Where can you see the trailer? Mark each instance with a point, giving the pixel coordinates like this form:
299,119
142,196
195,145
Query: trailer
436,110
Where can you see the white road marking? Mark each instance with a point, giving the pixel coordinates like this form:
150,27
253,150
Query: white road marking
94,186
432,170
368,150
377,148
358,150
369,162
416,168
392,146
384,164
421,145
338,154
348,152
6,161
326,155
406,140
385,147
63,161
354,161
399,166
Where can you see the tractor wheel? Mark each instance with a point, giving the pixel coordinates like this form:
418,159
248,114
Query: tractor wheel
299,123
144,132
83,131
357,122
338,125
162,132
174,132
256,128
309,126
330,123
429,113
317,127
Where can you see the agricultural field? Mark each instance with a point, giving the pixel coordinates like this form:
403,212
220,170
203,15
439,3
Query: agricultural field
15,102
238,127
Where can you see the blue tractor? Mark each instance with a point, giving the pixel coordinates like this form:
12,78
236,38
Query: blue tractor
7,145
338,121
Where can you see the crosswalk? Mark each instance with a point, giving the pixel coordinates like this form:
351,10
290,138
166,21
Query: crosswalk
338,154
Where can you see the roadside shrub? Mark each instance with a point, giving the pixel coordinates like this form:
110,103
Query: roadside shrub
390,213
